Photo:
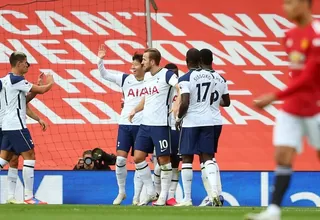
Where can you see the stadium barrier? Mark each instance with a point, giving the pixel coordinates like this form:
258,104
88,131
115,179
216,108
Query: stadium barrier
100,187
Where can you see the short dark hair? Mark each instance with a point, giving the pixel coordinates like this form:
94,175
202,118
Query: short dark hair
310,2
154,54
193,56
137,56
15,57
206,56
171,66
87,152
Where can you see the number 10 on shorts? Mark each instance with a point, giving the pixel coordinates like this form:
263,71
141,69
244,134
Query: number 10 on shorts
163,145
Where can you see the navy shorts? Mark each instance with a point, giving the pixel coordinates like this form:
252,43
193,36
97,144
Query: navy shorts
150,137
126,137
217,132
197,140
175,137
17,141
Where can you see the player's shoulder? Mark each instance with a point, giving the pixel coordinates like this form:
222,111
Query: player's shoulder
14,79
186,77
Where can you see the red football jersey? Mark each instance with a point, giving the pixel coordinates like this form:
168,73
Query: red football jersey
302,96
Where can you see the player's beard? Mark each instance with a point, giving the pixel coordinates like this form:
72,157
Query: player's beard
146,69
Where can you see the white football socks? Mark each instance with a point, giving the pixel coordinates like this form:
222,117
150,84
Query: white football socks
157,178
174,183
218,177
144,172
211,171
121,173
138,184
205,181
187,175
166,175
28,178
12,182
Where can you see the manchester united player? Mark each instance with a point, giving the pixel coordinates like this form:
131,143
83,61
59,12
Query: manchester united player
300,114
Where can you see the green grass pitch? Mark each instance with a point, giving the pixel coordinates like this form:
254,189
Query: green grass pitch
92,212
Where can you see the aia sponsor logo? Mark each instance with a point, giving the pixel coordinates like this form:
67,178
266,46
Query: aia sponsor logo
142,92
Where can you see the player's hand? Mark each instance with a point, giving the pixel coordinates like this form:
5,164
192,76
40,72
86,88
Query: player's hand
43,125
264,100
132,114
178,125
49,78
40,79
102,51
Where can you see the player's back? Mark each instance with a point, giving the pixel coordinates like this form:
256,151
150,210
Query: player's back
303,47
201,85
15,88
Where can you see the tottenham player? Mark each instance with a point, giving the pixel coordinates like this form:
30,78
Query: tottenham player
133,90
197,133
154,130
16,136
175,159
14,162
300,114
221,98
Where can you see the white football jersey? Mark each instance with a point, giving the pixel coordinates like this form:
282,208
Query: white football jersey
158,88
133,91
221,88
200,85
2,102
16,89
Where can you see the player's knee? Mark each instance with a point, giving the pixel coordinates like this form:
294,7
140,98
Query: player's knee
29,155
164,160
284,155
121,153
121,161
14,162
139,156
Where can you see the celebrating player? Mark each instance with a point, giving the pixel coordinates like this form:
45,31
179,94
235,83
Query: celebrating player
14,162
132,87
175,159
154,130
221,98
197,133
300,114
16,136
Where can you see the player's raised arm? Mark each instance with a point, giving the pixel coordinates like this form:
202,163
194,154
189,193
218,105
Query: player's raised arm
137,109
112,77
35,117
44,88
31,95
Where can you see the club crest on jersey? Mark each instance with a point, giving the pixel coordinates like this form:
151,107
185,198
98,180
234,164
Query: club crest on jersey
142,92
296,57
304,44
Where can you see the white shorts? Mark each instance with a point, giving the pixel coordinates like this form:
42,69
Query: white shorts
289,130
